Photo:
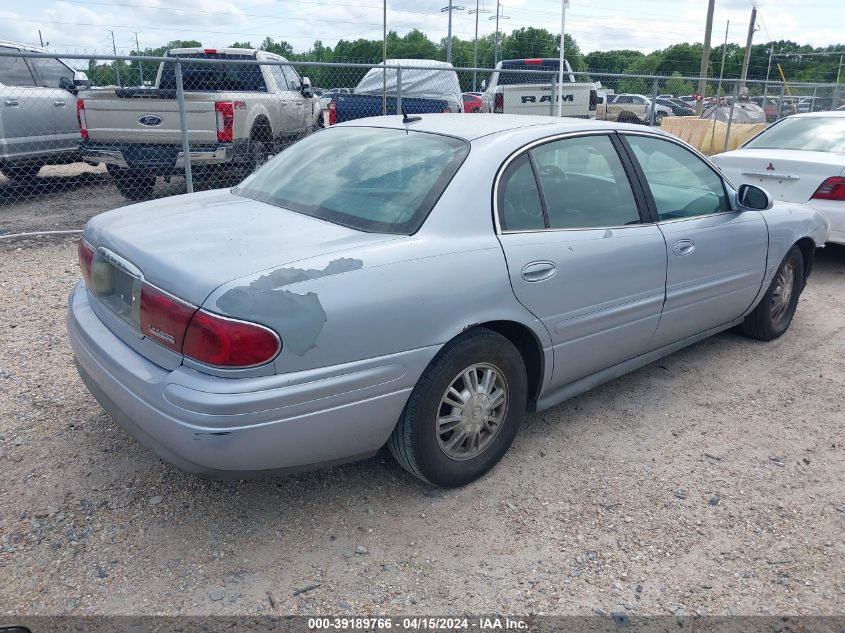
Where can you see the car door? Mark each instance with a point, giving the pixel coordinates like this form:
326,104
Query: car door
716,256
50,74
22,112
301,112
287,116
580,256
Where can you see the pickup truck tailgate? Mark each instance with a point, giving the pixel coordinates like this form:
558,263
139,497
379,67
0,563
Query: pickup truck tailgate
539,99
146,120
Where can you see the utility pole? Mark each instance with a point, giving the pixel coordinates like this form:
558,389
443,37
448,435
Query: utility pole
724,50
116,61
40,39
140,63
564,4
768,70
498,17
705,57
476,11
747,58
449,9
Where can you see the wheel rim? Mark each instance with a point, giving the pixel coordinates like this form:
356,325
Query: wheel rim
472,411
782,294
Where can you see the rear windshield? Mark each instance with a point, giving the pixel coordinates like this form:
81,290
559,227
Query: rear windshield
370,179
821,134
545,73
207,77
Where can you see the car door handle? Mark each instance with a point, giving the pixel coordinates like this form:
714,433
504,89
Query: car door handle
683,247
12,103
59,104
538,271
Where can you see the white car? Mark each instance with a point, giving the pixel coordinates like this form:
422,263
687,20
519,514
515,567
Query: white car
801,158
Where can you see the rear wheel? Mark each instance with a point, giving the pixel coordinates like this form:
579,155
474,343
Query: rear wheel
132,184
22,172
771,318
464,412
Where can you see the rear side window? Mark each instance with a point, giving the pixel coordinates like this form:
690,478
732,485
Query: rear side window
380,180
519,202
207,77
14,71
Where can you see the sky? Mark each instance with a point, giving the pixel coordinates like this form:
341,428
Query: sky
83,26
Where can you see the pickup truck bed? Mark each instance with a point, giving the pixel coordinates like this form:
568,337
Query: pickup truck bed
343,107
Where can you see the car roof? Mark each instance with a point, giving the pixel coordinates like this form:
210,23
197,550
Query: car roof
26,47
473,127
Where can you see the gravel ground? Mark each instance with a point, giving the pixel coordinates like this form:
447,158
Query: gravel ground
710,481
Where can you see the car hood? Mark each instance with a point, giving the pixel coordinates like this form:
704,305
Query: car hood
189,245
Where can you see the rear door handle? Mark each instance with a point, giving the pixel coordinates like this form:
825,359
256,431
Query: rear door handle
12,103
683,247
538,271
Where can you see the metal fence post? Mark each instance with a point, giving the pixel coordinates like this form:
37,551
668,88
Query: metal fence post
555,96
653,101
780,101
730,115
399,90
183,124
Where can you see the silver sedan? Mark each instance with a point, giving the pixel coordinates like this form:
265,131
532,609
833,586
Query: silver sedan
420,283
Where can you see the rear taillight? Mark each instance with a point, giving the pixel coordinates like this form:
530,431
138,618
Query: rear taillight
223,342
86,260
499,102
163,318
225,111
209,51
332,113
80,118
831,189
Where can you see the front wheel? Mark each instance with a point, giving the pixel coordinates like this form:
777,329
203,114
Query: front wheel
771,318
464,411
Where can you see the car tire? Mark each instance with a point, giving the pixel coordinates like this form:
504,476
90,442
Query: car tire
23,172
257,155
772,316
131,183
658,118
487,372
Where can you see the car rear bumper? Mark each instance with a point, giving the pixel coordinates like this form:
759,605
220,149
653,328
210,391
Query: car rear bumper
229,428
834,211
131,156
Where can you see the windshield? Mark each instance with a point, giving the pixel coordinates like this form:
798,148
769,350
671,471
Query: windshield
206,77
817,134
370,179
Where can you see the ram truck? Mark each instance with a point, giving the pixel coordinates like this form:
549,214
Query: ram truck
428,86
512,89
237,114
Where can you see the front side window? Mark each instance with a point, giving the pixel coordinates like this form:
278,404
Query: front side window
50,71
682,185
279,76
13,70
378,180
584,184
292,77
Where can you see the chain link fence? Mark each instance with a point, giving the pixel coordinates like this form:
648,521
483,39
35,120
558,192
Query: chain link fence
119,129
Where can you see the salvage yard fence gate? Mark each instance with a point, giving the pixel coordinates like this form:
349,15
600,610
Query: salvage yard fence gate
164,148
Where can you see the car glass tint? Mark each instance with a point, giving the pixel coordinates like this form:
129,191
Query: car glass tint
14,71
371,179
817,134
520,208
208,77
544,74
292,77
584,184
279,76
681,184
50,71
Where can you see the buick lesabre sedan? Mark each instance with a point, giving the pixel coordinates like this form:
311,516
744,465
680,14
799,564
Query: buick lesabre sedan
421,283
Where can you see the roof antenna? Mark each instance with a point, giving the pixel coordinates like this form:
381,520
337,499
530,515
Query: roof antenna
409,119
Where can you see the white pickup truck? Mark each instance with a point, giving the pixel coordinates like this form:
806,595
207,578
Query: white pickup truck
237,115
538,92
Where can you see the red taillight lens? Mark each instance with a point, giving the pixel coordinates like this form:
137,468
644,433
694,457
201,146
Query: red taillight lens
222,342
164,319
534,62
499,102
831,189
209,51
332,113
225,111
80,118
86,259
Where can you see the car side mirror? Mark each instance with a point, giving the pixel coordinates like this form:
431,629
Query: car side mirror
306,88
80,80
754,198
67,84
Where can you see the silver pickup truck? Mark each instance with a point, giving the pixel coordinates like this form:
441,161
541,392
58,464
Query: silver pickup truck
237,116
